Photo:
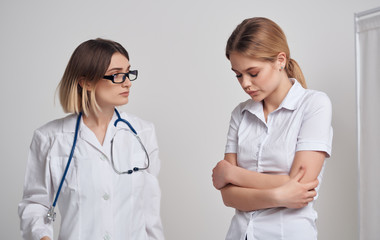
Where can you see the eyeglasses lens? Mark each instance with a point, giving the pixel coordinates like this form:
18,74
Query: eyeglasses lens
121,77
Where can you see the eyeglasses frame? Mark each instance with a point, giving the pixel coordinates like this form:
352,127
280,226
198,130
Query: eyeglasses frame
125,76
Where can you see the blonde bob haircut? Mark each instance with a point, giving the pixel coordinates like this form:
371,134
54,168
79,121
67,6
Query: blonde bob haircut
262,39
87,65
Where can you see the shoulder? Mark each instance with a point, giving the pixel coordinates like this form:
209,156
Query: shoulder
315,101
56,126
315,97
44,136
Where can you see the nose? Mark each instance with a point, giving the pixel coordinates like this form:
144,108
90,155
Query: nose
245,82
127,83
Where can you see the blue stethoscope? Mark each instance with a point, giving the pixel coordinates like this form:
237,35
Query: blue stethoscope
51,213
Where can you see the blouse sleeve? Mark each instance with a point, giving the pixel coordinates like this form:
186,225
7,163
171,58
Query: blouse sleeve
37,195
316,132
232,136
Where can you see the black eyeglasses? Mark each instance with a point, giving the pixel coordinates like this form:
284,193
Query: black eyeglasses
120,77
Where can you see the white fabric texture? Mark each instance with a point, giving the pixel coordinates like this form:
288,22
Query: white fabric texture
368,67
95,202
301,123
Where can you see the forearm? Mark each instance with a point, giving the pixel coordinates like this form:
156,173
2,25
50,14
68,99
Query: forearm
227,171
33,224
248,199
311,161
293,194
249,179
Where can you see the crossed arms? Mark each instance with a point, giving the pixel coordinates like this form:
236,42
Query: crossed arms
247,190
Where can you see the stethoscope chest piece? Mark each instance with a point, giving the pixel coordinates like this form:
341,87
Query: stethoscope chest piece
51,214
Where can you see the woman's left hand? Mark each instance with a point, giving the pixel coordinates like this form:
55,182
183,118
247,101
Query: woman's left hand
220,174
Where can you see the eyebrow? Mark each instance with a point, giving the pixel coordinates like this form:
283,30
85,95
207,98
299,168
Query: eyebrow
248,69
118,69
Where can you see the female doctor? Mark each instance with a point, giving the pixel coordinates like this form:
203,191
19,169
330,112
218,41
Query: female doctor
98,165
277,141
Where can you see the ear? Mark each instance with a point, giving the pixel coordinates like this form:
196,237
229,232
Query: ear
281,60
85,84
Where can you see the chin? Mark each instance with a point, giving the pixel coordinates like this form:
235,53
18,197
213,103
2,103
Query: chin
257,99
121,103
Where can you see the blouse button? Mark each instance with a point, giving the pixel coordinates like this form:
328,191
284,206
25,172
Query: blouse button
107,236
106,196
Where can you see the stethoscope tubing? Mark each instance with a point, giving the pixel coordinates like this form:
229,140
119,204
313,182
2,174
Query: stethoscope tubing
51,213
124,121
70,158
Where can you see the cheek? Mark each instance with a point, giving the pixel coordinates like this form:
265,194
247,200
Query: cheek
103,92
270,81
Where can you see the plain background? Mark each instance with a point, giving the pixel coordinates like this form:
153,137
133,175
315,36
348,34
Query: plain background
185,87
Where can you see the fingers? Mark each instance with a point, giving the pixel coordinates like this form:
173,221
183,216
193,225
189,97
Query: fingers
219,165
311,185
217,175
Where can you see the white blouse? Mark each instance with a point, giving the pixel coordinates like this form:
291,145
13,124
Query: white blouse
95,202
302,122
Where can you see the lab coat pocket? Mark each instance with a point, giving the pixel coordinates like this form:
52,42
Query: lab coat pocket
57,169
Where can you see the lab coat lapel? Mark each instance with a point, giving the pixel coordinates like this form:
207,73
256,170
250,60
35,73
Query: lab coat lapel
90,137
85,133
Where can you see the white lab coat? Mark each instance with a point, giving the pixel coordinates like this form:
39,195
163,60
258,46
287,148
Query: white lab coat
95,202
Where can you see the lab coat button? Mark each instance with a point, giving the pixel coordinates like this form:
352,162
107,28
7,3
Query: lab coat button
106,196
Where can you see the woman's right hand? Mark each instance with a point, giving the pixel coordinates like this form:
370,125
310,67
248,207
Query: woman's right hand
45,238
220,174
295,194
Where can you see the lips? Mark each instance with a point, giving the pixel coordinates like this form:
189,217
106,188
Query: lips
253,93
125,94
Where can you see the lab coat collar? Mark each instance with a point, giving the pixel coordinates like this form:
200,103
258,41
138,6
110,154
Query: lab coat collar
87,135
291,101
70,122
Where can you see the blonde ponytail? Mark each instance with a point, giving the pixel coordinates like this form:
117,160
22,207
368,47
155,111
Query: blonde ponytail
293,70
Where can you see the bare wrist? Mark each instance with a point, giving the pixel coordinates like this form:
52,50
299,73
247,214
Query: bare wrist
230,176
277,197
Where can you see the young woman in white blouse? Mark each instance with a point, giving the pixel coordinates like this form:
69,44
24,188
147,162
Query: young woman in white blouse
277,140
98,165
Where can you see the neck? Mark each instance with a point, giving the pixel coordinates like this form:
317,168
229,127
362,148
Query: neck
98,123
101,119
273,101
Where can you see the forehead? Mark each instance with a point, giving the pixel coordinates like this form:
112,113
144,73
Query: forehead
240,62
118,61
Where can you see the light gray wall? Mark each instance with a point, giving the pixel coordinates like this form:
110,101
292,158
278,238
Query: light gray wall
185,88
